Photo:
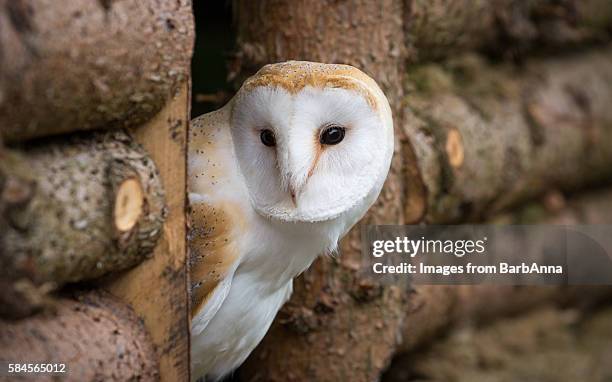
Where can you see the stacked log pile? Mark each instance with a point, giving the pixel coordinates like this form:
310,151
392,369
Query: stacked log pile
547,344
438,29
496,104
95,336
89,64
92,102
487,138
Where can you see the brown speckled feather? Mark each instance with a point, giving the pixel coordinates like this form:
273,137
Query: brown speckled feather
216,222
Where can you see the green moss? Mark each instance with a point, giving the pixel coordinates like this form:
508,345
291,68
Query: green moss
428,79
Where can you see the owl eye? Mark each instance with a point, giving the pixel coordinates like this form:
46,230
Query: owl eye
267,138
332,135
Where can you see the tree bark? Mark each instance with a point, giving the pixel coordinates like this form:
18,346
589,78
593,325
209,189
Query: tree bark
442,28
325,333
435,308
487,138
94,335
76,209
86,64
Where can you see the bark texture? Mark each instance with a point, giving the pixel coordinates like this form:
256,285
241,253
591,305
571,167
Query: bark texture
550,344
326,333
85,64
488,137
75,209
96,336
441,28
435,308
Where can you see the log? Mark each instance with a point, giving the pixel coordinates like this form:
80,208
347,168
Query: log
95,336
157,288
435,308
487,138
89,64
326,333
509,28
548,344
76,209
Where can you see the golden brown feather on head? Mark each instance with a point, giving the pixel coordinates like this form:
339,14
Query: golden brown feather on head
293,76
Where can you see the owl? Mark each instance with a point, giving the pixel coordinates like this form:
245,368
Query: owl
276,177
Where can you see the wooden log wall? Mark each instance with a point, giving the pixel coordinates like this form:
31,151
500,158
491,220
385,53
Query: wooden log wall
77,208
89,64
158,288
438,29
94,111
95,336
441,307
488,137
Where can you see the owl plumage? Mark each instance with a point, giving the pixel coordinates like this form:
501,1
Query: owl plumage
276,177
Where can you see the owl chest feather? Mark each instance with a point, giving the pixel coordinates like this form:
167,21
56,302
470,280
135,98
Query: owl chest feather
260,285
242,264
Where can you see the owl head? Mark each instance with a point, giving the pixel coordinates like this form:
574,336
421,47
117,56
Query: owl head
312,140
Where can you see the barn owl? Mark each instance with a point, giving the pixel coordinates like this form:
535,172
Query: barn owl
276,177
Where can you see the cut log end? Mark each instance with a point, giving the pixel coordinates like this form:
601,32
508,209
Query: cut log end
129,203
76,208
454,148
16,191
509,134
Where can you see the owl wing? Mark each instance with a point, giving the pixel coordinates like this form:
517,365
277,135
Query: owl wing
217,221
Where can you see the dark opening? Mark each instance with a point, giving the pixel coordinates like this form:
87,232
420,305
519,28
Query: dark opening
213,44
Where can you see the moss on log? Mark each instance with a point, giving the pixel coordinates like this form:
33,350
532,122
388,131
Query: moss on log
487,138
85,64
94,335
442,28
75,209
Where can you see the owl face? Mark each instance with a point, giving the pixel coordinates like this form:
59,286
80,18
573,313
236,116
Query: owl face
312,140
